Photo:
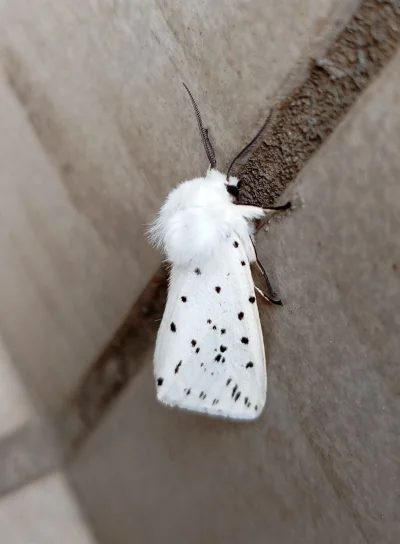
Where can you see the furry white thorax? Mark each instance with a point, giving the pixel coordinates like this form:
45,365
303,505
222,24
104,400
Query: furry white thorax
197,217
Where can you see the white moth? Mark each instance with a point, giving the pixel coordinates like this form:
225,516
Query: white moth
209,354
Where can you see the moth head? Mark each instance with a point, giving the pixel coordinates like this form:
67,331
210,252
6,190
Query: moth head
233,183
233,187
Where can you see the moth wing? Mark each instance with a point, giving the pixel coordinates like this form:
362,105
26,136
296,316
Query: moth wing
209,353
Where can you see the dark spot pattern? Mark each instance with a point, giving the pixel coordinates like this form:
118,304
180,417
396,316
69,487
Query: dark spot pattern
235,244
252,300
223,348
234,391
197,350
160,381
193,342
215,401
197,271
240,315
223,359
218,289
223,331
256,407
173,327
237,396
249,365
242,263
201,364
218,358
244,340
188,391
228,381
202,395
183,299
178,366
214,328
209,321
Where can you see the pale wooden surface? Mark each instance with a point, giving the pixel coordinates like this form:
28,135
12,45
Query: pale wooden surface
322,463
95,128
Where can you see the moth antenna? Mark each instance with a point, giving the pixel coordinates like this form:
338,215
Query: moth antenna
203,131
248,146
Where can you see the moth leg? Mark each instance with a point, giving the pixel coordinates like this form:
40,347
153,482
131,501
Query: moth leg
271,296
268,298
282,208
253,212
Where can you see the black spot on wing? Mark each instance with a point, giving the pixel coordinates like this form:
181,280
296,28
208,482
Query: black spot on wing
240,315
218,289
252,300
237,396
218,358
249,365
223,348
223,331
202,395
160,381
197,271
183,299
193,342
178,366
228,381
243,263
244,340
234,391
187,391
214,328
215,401
173,327
223,359
209,321
235,244
197,350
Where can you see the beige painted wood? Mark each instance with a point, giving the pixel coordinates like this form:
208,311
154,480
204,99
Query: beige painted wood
95,128
322,462
43,512
16,409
